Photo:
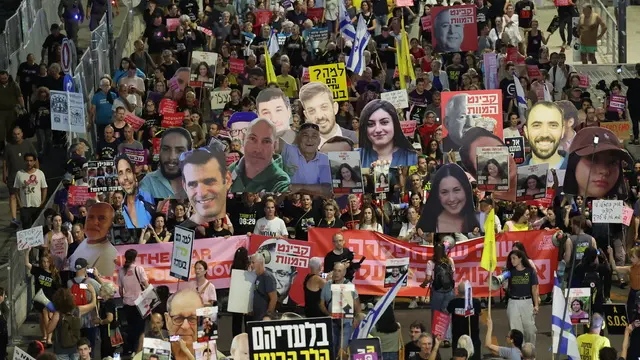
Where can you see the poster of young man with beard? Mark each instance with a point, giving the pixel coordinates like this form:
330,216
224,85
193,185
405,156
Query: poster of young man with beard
544,129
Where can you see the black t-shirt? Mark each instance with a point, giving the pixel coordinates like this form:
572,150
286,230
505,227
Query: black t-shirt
521,282
454,72
244,217
633,92
351,222
44,280
336,224
331,258
155,38
295,18
211,232
27,75
189,7
508,88
482,16
411,349
524,9
42,112
106,150
49,44
387,57
460,323
304,219
55,84
294,48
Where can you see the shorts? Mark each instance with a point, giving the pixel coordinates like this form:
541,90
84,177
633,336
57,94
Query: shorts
584,49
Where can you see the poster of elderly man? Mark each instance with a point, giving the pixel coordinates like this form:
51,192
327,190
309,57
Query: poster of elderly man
454,28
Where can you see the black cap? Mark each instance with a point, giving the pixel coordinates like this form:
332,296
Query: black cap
385,28
308,125
80,264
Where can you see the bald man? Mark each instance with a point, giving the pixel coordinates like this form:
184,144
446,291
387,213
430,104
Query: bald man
181,320
155,331
97,249
240,347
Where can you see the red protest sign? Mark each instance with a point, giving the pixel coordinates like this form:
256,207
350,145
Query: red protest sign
534,72
172,120
617,102
155,143
262,17
172,24
305,75
78,195
167,106
561,2
236,66
514,56
584,81
135,122
315,13
439,324
426,22
205,31
408,127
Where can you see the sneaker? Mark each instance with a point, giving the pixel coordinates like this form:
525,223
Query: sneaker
413,304
15,222
607,301
636,142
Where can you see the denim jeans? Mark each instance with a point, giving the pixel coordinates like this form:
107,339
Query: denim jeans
381,20
67,356
346,334
440,301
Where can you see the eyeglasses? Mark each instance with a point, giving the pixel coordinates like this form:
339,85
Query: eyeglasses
237,132
178,320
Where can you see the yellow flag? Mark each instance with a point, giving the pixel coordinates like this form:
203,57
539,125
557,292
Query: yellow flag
402,72
489,258
271,74
406,54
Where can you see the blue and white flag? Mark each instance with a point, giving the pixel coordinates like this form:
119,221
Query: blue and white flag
521,99
362,332
547,94
562,329
346,27
274,46
356,62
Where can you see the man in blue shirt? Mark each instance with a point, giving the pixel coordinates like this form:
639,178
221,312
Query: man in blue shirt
100,112
138,206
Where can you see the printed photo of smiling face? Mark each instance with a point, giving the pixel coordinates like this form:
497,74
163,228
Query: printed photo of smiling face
596,172
126,176
544,129
449,36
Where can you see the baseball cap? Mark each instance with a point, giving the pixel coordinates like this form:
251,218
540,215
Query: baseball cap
80,264
309,125
583,143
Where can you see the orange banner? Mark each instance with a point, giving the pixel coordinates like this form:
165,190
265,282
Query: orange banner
622,129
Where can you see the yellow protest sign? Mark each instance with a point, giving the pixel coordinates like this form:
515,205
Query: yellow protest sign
622,129
335,76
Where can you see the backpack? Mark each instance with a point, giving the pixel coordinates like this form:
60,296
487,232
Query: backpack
592,280
69,330
79,295
443,277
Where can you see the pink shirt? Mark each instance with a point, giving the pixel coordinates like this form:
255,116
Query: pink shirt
207,291
131,287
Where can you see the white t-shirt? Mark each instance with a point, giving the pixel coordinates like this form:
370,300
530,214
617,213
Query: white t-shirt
274,227
30,186
509,133
370,227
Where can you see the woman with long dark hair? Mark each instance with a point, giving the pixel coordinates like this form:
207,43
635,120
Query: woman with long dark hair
57,241
433,151
381,137
450,207
240,262
348,177
519,221
523,295
387,329
47,279
440,274
132,280
494,172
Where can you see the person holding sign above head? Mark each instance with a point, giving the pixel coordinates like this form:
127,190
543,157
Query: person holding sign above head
138,206
461,324
97,249
450,208
166,182
594,168
206,181
381,137
321,109
260,167
544,130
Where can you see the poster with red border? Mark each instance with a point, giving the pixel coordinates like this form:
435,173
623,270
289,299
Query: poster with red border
454,28
483,106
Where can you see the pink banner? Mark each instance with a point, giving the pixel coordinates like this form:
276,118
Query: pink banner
440,324
534,72
172,120
617,102
156,260
627,215
172,24
78,195
584,81
409,127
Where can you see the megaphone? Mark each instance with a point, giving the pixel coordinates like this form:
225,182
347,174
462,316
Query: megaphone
42,299
496,281
449,242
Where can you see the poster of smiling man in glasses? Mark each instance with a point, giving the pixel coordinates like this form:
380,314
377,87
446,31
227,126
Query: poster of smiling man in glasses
205,180
288,260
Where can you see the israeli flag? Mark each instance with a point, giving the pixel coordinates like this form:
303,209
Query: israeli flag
547,94
362,332
355,62
274,46
562,329
521,99
346,27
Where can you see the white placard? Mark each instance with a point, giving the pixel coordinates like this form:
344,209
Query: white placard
241,291
210,58
399,98
18,354
468,299
29,238
181,255
219,99
607,211
246,89
394,270
158,347
67,112
342,300
147,301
